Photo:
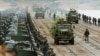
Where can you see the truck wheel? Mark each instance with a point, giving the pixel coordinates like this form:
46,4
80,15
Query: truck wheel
36,17
72,41
56,41
76,22
43,17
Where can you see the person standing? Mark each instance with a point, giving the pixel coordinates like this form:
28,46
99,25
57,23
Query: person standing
86,34
89,20
50,52
79,16
98,21
54,16
95,20
83,17
49,14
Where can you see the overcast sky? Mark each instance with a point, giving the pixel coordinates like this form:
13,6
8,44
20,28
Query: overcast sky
82,4
78,4
89,5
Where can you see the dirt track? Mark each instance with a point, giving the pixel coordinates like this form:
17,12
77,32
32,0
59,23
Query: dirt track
81,48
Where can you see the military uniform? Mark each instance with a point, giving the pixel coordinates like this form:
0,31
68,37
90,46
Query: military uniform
95,20
98,21
54,16
1,41
0,35
86,34
87,19
50,52
50,14
90,20
83,16
79,16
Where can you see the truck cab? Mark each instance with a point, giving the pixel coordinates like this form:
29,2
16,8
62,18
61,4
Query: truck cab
63,32
72,16
40,13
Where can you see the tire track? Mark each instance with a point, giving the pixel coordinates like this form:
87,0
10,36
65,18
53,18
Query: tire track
70,51
81,28
92,41
57,49
94,31
95,46
74,50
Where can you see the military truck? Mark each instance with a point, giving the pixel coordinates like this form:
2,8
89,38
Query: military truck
72,16
62,31
40,13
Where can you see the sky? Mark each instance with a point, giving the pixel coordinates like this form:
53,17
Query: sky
88,7
78,4
82,4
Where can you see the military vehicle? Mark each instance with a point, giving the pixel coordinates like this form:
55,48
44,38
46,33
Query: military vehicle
72,16
62,31
19,38
40,13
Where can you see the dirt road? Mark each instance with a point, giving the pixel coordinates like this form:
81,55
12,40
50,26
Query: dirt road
43,25
81,48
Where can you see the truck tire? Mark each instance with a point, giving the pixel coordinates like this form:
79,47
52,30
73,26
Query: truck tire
36,17
72,41
76,22
43,17
56,41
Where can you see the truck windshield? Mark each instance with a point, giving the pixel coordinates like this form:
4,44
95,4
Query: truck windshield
73,14
65,26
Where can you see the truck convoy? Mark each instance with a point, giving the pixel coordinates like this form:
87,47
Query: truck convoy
40,13
62,31
72,16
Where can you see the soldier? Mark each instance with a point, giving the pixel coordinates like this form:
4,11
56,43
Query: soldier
45,46
86,34
0,35
98,21
83,17
86,19
79,16
49,14
54,16
89,19
50,52
95,20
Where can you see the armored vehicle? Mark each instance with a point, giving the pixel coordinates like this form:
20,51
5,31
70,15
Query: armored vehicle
40,13
62,31
72,16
